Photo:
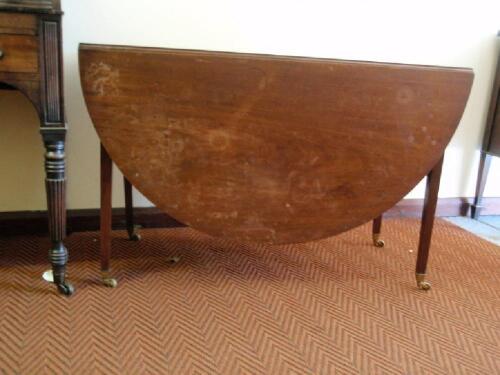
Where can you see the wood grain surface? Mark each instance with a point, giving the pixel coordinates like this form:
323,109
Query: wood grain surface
19,53
12,23
269,148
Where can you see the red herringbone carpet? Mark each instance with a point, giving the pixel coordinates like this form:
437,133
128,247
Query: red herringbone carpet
337,306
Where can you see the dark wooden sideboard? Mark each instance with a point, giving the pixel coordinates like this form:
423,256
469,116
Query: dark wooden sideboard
491,141
31,62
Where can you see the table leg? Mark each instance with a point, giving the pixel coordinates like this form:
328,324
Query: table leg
106,217
129,212
429,210
376,229
484,167
55,185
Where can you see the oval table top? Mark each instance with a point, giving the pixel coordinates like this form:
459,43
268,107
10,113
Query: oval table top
269,148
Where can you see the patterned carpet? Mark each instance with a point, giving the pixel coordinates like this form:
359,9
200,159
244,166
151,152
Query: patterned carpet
337,306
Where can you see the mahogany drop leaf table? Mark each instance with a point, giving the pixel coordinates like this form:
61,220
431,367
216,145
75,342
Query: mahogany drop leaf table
273,149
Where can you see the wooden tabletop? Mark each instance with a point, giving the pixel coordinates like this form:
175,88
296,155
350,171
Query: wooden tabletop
269,148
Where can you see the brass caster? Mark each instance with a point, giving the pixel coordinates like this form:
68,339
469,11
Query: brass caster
377,241
66,288
134,237
424,285
421,283
173,260
109,281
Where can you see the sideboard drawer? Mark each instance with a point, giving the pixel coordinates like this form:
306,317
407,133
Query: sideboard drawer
14,23
18,53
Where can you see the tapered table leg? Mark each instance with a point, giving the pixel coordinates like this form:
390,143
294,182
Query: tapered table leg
484,167
376,229
429,210
129,211
55,184
106,217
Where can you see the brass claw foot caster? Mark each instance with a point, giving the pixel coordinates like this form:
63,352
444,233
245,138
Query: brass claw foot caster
133,235
377,241
66,288
109,281
421,283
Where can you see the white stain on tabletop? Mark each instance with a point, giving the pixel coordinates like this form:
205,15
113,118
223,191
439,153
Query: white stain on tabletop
103,79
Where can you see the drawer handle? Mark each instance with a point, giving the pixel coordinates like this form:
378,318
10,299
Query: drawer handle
1,54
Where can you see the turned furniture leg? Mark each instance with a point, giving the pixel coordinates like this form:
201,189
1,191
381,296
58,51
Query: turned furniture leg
376,229
55,184
429,210
129,211
484,167
106,217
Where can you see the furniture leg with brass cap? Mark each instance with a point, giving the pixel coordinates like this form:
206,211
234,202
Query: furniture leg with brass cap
129,212
421,283
376,229
55,184
108,280
106,217
429,210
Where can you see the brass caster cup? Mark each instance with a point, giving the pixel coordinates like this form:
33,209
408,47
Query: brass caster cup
377,241
421,283
134,235
173,260
109,281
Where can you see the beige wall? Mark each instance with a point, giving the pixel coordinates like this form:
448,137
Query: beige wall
445,32
21,155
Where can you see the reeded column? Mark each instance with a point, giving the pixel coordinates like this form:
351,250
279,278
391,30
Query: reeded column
55,184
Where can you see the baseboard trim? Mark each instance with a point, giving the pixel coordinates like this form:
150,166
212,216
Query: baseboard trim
35,222
81,220
445,207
